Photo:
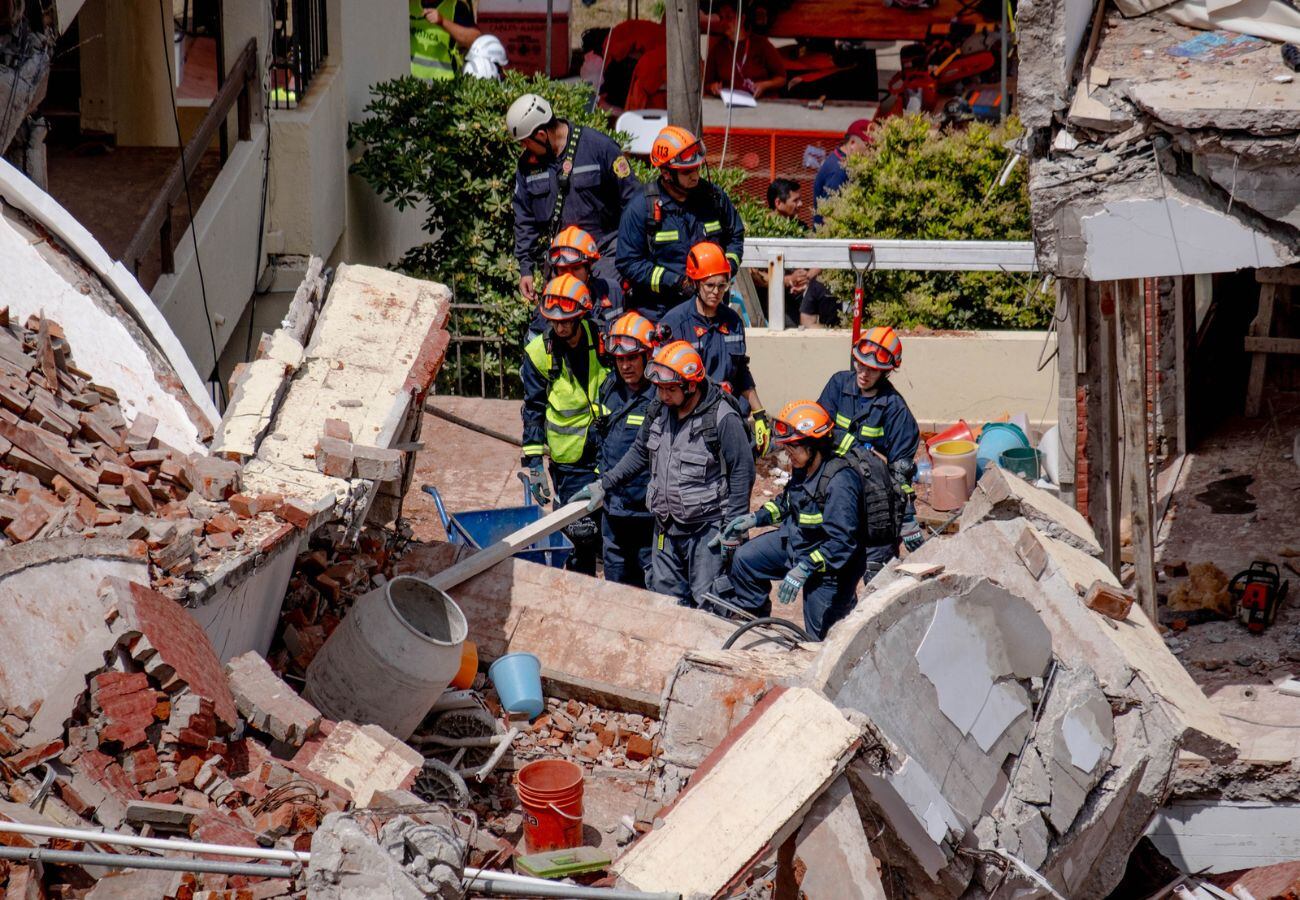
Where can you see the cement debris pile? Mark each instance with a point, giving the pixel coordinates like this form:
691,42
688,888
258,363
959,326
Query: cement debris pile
993,731
147,730
72,465
590,735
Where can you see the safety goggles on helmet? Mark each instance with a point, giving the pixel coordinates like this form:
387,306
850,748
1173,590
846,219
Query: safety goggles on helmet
658,373
690,158
567,256
624,345
872,354
785,433
562,304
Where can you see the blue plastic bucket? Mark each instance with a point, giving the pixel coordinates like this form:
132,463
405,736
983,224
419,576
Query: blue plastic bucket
997,438
518,680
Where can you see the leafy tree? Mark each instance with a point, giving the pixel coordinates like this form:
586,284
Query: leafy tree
922,182
442,145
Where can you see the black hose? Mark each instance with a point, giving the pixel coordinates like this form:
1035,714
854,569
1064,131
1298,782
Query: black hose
769,620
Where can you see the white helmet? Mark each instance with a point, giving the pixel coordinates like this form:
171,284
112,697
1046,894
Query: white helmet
527,114
486,58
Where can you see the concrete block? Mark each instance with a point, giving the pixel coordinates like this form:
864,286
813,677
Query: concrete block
268,703
213,478
833,849
161,815
334,457
363,759
1002,496
347,862
377,463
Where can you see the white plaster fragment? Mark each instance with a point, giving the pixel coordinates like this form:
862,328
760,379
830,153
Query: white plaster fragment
1005,705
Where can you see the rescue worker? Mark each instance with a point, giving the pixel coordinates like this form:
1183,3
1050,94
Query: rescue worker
567,175
667,218
562,374
715,330
701,473
441,30
870,412
626,525
817,547
574,252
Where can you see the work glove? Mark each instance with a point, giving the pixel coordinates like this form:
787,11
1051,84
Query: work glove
912,535
537,485
793,583
585,529
593,493
733,535
762,433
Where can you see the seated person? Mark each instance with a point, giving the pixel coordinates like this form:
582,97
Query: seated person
649,88
759,69
817,307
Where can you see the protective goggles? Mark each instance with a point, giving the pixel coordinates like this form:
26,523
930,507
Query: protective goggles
554,302
866,351
786,433
690,158
568,256
658,373
624,345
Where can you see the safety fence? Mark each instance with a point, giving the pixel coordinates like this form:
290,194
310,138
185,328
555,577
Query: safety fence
300,47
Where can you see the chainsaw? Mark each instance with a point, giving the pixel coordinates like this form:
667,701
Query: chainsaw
1258,592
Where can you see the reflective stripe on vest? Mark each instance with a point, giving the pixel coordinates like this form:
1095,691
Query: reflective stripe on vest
433,53
570,409
810,518
869,431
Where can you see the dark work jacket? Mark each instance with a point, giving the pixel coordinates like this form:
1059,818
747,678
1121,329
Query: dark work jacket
822,535
883,423
618,430
720,341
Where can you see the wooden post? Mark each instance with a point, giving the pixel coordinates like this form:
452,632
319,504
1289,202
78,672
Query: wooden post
1137,466
682,18
1102,442
776,293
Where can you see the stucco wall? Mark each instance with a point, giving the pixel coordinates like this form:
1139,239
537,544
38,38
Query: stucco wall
975,376
308,169
125,69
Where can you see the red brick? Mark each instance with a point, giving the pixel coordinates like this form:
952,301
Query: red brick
337,428
639,748
139,705
222,523
216,826
104,771
295,514
28,758
29,522
125,734
188,768
114,684
221,540
141,766
274,823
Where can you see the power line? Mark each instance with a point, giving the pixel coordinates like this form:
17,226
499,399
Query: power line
189,200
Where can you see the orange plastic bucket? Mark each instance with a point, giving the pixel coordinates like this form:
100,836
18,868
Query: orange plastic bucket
959,432
464,679
551,793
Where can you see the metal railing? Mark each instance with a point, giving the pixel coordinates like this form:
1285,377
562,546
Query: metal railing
485,346
301,45
776,255
240,91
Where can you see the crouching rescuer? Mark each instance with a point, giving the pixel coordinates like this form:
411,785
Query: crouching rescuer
835,512
701,463
562,373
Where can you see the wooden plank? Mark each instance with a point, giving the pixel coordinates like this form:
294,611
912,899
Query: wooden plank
1273,345
1287,276
1137,467
506,547
1262,326
1103,434
750,794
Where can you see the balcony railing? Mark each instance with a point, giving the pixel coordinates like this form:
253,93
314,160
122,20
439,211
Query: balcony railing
241,91
301,45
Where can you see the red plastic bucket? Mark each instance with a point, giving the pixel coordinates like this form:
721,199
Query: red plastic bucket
551,793
959,432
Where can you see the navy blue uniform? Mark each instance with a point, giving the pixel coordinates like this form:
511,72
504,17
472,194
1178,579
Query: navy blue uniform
822,535
882,422
606,296
830,178
652,251
600,185
627,526
720,341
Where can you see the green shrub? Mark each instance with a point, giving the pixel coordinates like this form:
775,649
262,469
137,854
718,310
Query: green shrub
443,145
921,182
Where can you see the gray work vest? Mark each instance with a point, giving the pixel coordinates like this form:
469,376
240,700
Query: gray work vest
687,481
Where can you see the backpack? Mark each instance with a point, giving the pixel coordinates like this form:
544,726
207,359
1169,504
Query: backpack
654,208
883,506
710,432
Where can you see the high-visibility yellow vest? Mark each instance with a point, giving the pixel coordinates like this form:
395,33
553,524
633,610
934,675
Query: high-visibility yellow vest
433,53
571,408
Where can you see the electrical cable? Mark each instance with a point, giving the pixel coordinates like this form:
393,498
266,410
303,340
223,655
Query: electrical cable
769,620
189,203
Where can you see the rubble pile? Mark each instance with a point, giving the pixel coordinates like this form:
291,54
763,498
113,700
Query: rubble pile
591,735
71,464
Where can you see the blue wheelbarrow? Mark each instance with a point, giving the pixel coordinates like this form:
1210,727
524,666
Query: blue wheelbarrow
481,528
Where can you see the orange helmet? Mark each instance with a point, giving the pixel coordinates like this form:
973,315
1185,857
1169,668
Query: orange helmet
802,420
879,348
565,297
677,363
633,333
572,247
705,260
676,148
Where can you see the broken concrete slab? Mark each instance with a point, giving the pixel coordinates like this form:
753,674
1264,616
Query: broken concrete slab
747,797
1215,836
252,405
268,703
999,495
120,885
362,759
833,850
347,861
50,609
598,641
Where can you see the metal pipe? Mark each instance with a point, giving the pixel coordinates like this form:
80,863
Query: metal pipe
1004,103
550,16
472,426
554,889
486,769
125,861
90,835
